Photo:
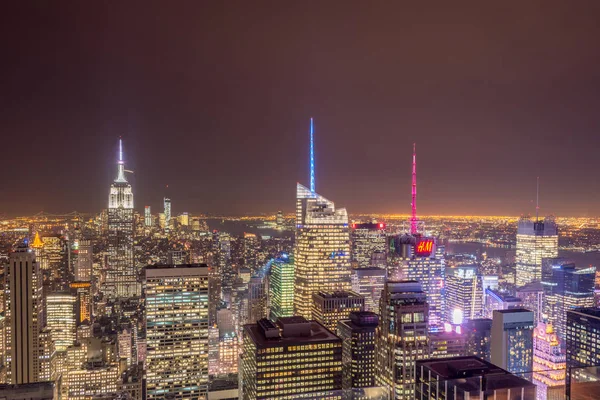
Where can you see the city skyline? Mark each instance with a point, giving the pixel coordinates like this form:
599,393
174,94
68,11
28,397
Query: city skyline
488,116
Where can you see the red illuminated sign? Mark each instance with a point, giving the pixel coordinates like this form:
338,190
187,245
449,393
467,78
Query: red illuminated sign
424,247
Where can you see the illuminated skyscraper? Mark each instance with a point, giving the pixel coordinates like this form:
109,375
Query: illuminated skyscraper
548,363
535,240
512,340
251,246
367,239
402,336
281,286
322,248
121,275
532,296
497,300
358,350
177,331
22,302
61,321
583,350
294,359
84,264
147,216
464,294
369,283
184,219
322,251
167,208
329,308
567,288
428,266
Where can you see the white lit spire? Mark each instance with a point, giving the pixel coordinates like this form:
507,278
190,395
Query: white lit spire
121,164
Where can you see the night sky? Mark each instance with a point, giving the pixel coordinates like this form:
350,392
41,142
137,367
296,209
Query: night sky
214,99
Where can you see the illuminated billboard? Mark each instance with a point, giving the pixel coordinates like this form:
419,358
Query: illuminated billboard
424,247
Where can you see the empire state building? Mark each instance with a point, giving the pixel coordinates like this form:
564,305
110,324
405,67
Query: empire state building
121,276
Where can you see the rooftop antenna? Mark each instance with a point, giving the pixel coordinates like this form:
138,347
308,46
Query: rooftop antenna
312,157
537,200
413,205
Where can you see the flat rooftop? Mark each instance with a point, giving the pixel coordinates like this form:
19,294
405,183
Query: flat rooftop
341,294
318,334
460,369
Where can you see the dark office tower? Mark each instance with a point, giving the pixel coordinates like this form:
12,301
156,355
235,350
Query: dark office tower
250,251
358,349
294,359
85,261
84,301
322,249
448,343
583,351
281,287
512,340
567,288
121,275
464,378
402,336
257,298
536,240
478,333
532,296
367,239
54,261
329,308
22,302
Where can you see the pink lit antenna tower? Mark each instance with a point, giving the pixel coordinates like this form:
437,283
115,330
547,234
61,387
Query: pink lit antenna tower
413,204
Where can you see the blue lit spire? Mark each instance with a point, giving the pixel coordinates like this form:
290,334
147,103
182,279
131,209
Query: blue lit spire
312,157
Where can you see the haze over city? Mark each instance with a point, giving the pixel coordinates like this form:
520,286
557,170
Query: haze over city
214,101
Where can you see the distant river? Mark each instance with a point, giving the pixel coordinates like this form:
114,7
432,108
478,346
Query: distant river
239,227
580,259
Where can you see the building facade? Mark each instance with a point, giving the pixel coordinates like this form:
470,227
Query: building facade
536,240
281,287
331,307
121,274
322,249
512,340
402,336
294,359
177,331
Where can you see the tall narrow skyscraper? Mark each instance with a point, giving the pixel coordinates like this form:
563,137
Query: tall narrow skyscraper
147,216
121,275
167,205
22,302
322,249
402,337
